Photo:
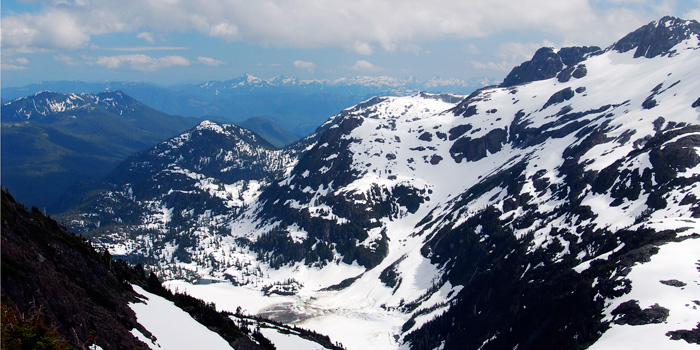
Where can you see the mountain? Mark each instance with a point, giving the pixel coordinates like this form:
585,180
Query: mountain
52,140
293,104
558,210
272,133
181,189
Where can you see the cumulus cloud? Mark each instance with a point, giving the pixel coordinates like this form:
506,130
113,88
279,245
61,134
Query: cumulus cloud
310,66
49,30
359,26
471,49
365,66
361,48
414,49
511,54
142,62
18,63
518,52
9,66
225,30
146,36
65,59
209,61
146,48
693,13
502,66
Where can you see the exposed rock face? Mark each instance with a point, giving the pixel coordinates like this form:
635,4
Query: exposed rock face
657,38
476,149
547,64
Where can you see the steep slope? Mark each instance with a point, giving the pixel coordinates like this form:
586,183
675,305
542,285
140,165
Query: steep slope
272,133
177,195
59,292
593,177
534,215
52,140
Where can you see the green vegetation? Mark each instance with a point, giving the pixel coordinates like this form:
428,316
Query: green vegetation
28,330
44,157
272,133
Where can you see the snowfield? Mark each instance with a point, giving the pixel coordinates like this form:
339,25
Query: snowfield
171,327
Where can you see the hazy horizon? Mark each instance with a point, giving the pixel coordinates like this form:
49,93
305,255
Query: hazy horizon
167,42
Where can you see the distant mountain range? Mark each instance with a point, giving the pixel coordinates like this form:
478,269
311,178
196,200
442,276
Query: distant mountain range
295,105
558,210
52,141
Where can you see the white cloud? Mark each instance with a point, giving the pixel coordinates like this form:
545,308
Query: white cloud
209,61
519,52
8,66
510,54
471,49
502,66
360,26
146,36
65,59
362,48
146,48
366,66
46,31
19,63
142,62
693,13
414,49
224,30
309,66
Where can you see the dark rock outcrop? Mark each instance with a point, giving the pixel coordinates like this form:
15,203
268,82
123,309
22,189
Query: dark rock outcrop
476,149
658,37
46,268
630,313
546,64
559,97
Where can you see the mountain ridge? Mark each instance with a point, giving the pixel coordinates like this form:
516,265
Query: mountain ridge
294,104
527,215
51,140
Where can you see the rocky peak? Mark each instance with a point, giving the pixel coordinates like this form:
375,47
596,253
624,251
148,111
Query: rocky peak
116,102
546,64
658,37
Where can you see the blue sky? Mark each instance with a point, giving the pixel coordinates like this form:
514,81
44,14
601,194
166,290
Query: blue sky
181,41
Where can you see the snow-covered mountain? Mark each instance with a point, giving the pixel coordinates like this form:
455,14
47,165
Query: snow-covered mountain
49,105
559,210
295,104
357,84
181,189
